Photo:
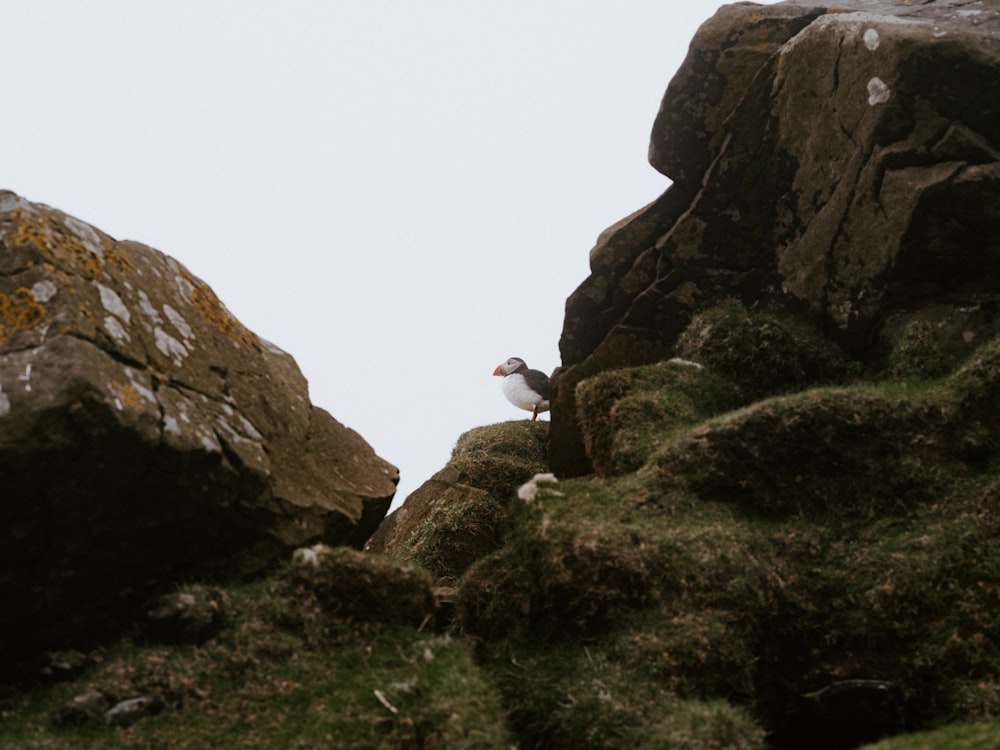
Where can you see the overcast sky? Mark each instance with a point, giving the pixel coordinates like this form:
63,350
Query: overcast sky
399,194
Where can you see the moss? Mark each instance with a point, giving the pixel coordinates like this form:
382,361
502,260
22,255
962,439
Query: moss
268,679
497,458
758,353
853,451
626,414
459,515
450,540
834,534
347,584
977,736
918,353
573,696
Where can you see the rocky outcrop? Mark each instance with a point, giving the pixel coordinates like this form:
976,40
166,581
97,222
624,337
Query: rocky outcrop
835,165
146,434
457,516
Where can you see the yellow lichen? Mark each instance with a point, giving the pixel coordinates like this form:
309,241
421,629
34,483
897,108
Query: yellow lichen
128,396
19,312
215,314
117,259
49,236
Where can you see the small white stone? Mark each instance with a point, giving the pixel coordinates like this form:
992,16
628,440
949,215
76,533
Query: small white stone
871,39
686,363
878,92
527,491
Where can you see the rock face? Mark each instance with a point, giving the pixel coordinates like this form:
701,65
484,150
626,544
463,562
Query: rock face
457,516
836,165
146,434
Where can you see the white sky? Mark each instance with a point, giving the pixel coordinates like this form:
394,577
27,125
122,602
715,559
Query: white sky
400,194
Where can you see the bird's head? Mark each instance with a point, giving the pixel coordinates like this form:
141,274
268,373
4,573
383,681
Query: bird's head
510,366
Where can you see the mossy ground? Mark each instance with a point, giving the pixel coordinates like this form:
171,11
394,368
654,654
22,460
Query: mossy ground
730,566
977,736
459,515
736,565
625,415
286,672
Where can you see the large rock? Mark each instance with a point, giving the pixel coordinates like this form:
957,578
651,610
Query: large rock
145,434
457,516
841,165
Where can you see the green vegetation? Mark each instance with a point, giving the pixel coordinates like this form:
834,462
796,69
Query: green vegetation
759,354
818,568
625,415
981,736
460,514
286,670
738,562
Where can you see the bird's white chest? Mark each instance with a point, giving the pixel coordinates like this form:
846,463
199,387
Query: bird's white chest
518,393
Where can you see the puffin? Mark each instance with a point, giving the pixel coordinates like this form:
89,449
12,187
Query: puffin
525,388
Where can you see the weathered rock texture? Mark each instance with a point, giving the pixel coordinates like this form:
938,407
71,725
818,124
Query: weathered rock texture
457,516
146,434
839,165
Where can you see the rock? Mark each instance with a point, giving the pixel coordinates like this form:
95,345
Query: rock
128,712
360,587
65,665
457,516
837,165
84,708
186,617
445,525
145,434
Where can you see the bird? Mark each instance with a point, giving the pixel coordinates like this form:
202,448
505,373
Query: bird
525,388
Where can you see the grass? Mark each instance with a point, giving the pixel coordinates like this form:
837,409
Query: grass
705,601
626,414
459,515
760,354
284,671
729,566
973,736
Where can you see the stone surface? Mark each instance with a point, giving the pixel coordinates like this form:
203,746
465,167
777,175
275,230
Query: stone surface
127,712
446,524
146,434
457,516
349,585
839,164
186,616
84,708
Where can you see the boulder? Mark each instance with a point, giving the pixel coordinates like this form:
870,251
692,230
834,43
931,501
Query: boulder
458,515
346,585
190,616
146,434
837,165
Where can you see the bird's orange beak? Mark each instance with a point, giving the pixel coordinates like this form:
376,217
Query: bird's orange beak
499,370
